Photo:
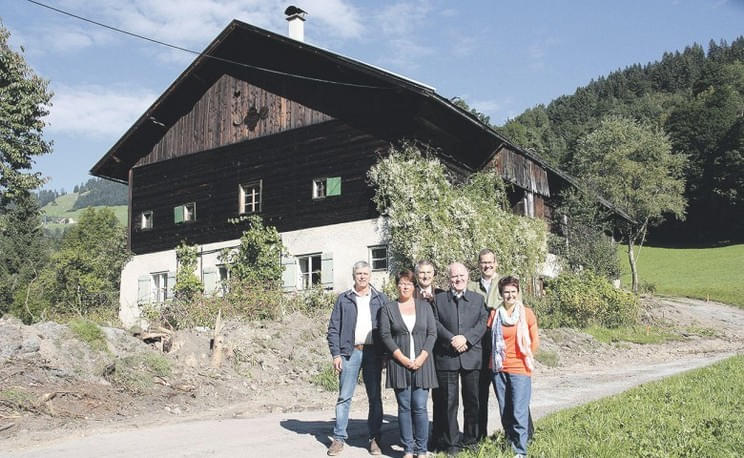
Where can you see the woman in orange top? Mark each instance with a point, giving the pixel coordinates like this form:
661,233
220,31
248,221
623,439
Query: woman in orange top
514,342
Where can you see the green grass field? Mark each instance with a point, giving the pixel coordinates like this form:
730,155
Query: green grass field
698,413
703,273
62,208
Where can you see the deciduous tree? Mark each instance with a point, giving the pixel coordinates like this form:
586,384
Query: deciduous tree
634,167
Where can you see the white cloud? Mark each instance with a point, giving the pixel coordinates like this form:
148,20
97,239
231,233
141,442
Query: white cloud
189,23
96,111
401,24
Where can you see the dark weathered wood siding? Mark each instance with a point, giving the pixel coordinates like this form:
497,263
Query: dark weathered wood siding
286,162
219,119
520,170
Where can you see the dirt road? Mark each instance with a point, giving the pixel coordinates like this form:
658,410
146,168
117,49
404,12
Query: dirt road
595,373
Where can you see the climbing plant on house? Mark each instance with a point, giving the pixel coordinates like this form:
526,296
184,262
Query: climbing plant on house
430,216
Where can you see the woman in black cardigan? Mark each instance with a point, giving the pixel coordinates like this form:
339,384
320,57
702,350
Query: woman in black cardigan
408,330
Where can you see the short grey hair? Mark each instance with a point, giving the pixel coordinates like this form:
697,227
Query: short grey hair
359,265
422,263
486,251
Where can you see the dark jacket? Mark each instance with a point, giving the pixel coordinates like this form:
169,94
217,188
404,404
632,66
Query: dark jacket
468,318
342,324
394,335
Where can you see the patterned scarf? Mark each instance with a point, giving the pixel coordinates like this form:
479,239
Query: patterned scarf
524,343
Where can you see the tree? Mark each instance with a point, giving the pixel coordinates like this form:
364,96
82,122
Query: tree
23,254
187,284
23,104
634,167
86,269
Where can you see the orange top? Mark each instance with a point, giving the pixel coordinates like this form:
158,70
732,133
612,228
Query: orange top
514,361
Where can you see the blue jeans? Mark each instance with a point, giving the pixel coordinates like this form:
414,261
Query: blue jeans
513,393
370,364
413,419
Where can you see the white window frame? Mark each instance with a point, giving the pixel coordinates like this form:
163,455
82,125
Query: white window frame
189,212
308,278
224,287
320,184
251,194
372,258
158,287
146,218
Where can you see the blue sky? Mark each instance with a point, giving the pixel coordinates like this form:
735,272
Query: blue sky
501,57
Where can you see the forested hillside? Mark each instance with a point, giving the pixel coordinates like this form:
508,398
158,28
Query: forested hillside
98,192
697,98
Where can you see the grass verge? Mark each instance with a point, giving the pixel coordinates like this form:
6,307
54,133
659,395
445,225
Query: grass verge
698,413
701,273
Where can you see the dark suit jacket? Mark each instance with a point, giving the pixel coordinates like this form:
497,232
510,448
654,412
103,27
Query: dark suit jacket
417,294
468,318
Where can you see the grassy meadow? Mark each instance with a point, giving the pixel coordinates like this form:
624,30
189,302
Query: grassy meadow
697,413
62,208
703,273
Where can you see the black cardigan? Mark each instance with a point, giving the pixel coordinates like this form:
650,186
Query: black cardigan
394,334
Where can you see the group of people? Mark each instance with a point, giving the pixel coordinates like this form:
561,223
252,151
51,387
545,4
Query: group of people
477,334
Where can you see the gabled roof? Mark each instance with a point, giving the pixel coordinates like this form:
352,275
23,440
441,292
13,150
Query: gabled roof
355,92
344,88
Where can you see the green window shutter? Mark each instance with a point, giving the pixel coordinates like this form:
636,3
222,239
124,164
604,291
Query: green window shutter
211,280
178,214
326,270
333,186
289,273
171,284
143,289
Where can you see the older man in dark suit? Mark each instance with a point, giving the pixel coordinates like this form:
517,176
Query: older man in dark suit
461,322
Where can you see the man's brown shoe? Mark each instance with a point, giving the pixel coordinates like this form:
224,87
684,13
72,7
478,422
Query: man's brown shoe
336,447
374,448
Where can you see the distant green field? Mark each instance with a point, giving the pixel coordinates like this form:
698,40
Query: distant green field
62,208
703,273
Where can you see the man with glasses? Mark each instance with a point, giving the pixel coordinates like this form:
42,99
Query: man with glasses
486,286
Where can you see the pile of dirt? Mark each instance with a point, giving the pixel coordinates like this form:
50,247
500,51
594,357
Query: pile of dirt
53,383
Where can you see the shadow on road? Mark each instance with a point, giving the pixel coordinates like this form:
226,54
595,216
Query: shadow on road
322,431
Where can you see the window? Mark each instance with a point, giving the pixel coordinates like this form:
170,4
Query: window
250,197
159,287
378,257
309,271
325,187
224,273
146,220
184,213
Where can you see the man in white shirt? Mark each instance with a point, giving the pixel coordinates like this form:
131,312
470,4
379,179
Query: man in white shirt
355,346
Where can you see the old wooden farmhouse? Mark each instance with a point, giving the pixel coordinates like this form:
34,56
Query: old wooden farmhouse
266,124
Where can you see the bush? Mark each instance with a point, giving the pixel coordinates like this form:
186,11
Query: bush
585,298
135,373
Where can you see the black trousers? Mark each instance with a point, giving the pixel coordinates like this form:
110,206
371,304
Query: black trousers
445,424
484,387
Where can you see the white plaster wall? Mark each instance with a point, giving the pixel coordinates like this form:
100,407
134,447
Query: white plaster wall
349,243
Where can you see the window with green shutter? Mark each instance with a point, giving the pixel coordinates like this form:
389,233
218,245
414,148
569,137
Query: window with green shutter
326,187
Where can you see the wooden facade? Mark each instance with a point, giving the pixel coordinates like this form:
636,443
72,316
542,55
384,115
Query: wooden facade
231,111
520,170
286,163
